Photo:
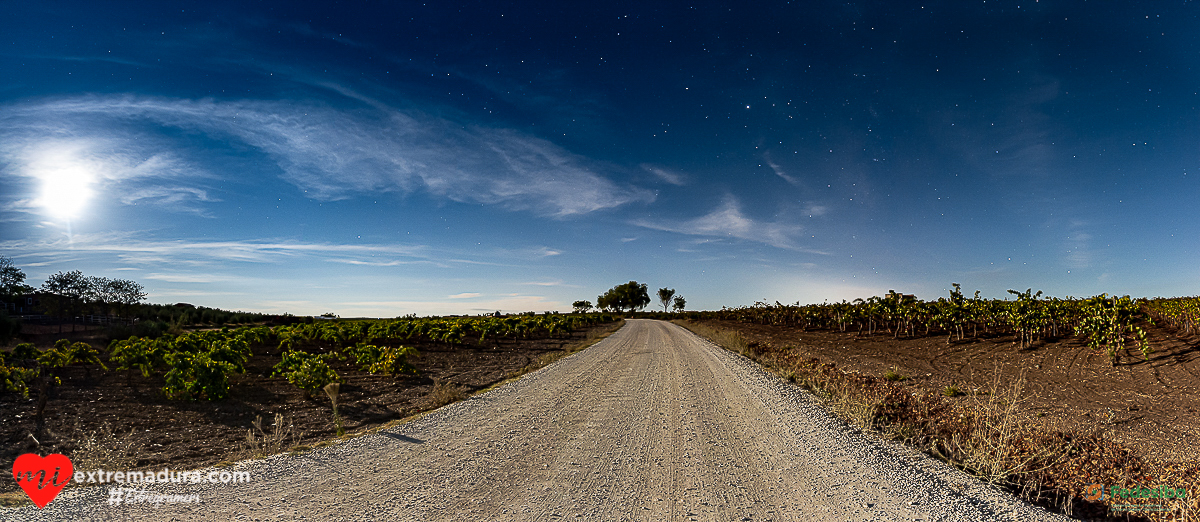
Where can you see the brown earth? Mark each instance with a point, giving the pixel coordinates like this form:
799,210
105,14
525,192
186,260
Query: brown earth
1148,405
129,414
1128,424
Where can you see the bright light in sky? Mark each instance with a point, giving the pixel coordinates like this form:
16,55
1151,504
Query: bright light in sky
66,182
66,192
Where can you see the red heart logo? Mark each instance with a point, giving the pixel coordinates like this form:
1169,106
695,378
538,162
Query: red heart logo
53,471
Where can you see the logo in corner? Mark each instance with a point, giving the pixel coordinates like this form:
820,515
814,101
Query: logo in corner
1094,492
53,472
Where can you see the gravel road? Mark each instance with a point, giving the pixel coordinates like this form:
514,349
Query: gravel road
653,423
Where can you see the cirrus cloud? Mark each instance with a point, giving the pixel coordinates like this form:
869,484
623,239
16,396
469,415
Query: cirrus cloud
331,153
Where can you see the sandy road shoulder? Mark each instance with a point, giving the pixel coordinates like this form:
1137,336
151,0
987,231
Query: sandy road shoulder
652,423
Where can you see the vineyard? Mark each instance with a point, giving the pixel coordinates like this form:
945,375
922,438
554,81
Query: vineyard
193,396
1108,324
1041,394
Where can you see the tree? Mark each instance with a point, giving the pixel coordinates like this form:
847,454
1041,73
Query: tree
631,296
12,280
680,303
68,291
98,294
581,307
664,297
126,293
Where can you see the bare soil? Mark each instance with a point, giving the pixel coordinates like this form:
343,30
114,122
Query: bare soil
192,434
1079,419
1148,405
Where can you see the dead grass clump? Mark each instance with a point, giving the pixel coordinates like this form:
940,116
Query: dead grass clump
991,445
260,442
105,449
445,393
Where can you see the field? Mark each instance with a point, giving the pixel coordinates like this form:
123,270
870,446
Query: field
1045,415
123,419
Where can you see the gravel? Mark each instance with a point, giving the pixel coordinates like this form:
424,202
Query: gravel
653,423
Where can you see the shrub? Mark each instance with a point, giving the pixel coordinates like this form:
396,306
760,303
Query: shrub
307,371
893,375
22,352
137,353
196,376
16,379
389,359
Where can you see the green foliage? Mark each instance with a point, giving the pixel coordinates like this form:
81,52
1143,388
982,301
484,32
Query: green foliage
307,371
679,303
22,352
16,379
1026,315
1108,323
64,354
12,280
581,307
1182,314
664,297
394,361
196,376
389,359
56,357
1103,323
141,354
629,296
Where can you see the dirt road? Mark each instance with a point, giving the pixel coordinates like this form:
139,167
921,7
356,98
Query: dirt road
651,424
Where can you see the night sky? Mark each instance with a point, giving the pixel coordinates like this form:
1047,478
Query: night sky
386,158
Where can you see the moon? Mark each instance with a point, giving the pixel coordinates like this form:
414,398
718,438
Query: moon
66,191
67,175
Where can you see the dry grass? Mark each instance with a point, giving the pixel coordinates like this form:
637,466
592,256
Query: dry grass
265,441
105,449
989,448
727,339
445,393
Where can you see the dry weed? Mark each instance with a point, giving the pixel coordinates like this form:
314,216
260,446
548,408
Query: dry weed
445,393
990,447
282,436
105,449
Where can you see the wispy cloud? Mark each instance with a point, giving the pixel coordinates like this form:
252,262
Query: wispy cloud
664,174
187,277
331,153
549,283
464,295
813,209
728,221
131,249
61,162
1078,252
505,304
779,171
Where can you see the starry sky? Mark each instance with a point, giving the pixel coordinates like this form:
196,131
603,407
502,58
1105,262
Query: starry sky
385,158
